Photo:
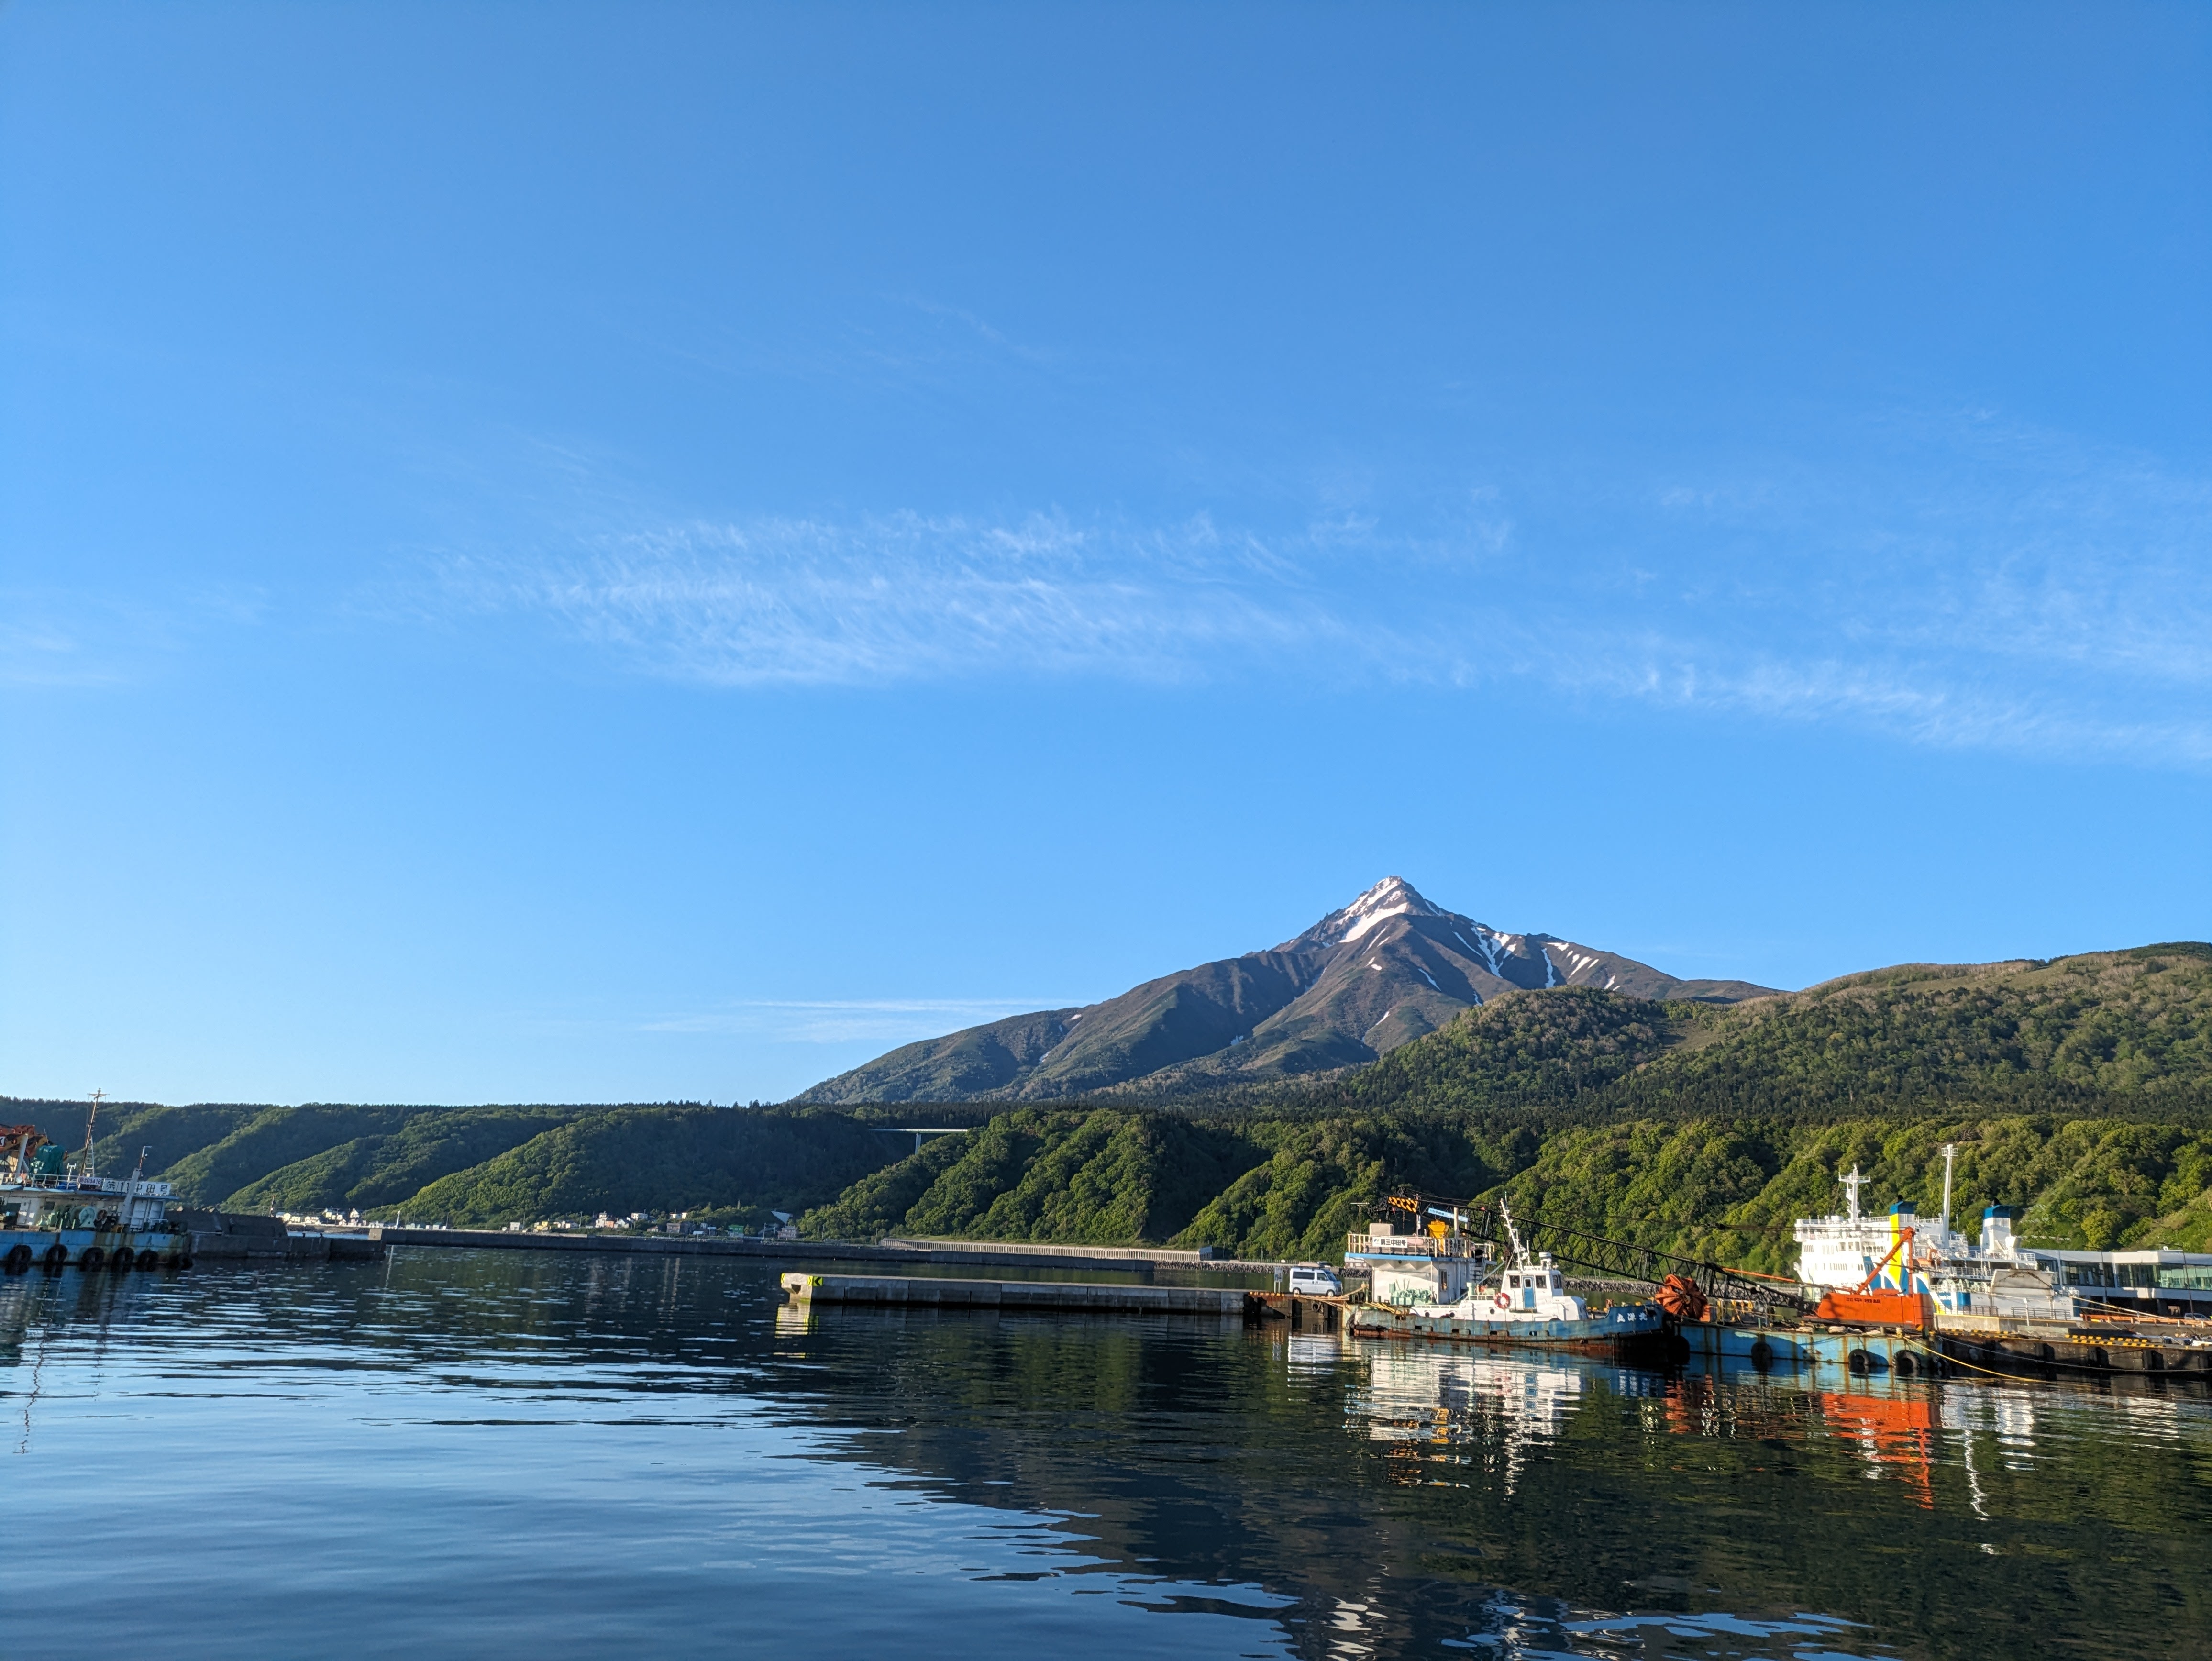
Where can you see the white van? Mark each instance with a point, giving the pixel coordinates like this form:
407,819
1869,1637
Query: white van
1315,1280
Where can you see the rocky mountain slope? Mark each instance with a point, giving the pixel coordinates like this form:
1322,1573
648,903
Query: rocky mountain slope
1388,968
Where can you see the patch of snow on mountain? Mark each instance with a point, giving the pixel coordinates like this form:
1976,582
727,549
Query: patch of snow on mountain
1363,924
1425,975
1489,950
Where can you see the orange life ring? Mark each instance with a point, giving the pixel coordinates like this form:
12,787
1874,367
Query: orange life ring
1503,1300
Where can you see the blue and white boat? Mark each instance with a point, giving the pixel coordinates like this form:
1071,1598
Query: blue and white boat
57,1211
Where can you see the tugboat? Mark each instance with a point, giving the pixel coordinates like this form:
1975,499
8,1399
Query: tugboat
57,1211
1530,1307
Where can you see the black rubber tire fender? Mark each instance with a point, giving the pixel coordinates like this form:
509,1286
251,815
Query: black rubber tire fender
1762,1354
57,1255
92,1259
149,1258
17,1260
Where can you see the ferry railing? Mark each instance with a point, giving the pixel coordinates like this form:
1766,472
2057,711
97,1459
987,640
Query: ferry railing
1414,1246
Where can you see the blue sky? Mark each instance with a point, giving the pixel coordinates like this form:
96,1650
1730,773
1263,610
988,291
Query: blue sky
565,553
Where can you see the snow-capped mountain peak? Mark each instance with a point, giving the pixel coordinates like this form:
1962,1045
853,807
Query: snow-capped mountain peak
1392,897
1380,972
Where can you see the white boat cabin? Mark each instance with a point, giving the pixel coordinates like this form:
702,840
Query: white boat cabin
1533,1290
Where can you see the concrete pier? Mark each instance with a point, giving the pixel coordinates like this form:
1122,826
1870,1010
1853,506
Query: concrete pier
227,1238
979,1254
1080,1296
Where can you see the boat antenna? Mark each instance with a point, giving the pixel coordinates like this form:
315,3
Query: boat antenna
1950,1153
84,1165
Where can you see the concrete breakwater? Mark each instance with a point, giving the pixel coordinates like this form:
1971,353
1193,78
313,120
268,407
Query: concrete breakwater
986,1254
1078,1297
219,1237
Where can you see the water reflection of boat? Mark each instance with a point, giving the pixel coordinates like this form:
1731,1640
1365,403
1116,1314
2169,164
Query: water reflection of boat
1492,1405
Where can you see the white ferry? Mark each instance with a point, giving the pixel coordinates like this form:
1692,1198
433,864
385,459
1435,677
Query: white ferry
1903,1256
56,1211
1529,1305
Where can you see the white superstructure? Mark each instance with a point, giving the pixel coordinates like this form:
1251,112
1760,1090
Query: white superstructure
1997,1275
1416,1268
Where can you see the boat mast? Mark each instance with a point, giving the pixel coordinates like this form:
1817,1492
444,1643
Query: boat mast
1512,1234
1950,1153
84,1163
1852,1181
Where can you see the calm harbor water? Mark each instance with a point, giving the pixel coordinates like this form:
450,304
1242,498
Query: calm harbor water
493,1454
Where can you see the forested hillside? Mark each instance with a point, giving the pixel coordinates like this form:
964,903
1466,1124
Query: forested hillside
2124,1030
1526,1049
486,1164
738,1165
2080,1090
1294,1188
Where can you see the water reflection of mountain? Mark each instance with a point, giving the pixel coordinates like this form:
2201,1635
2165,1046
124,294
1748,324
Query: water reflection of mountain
1392,1497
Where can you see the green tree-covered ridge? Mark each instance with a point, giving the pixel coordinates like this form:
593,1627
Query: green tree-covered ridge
2079,1089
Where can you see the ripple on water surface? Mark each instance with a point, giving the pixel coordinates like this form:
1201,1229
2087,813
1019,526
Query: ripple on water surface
502,1453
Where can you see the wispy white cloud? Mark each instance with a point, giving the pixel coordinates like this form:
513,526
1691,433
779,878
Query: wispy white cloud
1920,704
1949,581
905,598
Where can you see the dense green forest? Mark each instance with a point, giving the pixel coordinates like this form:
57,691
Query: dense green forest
491,1164
2079,1090
1728,1191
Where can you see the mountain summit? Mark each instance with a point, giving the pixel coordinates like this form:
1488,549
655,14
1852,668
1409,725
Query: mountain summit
1392,897
1386,968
